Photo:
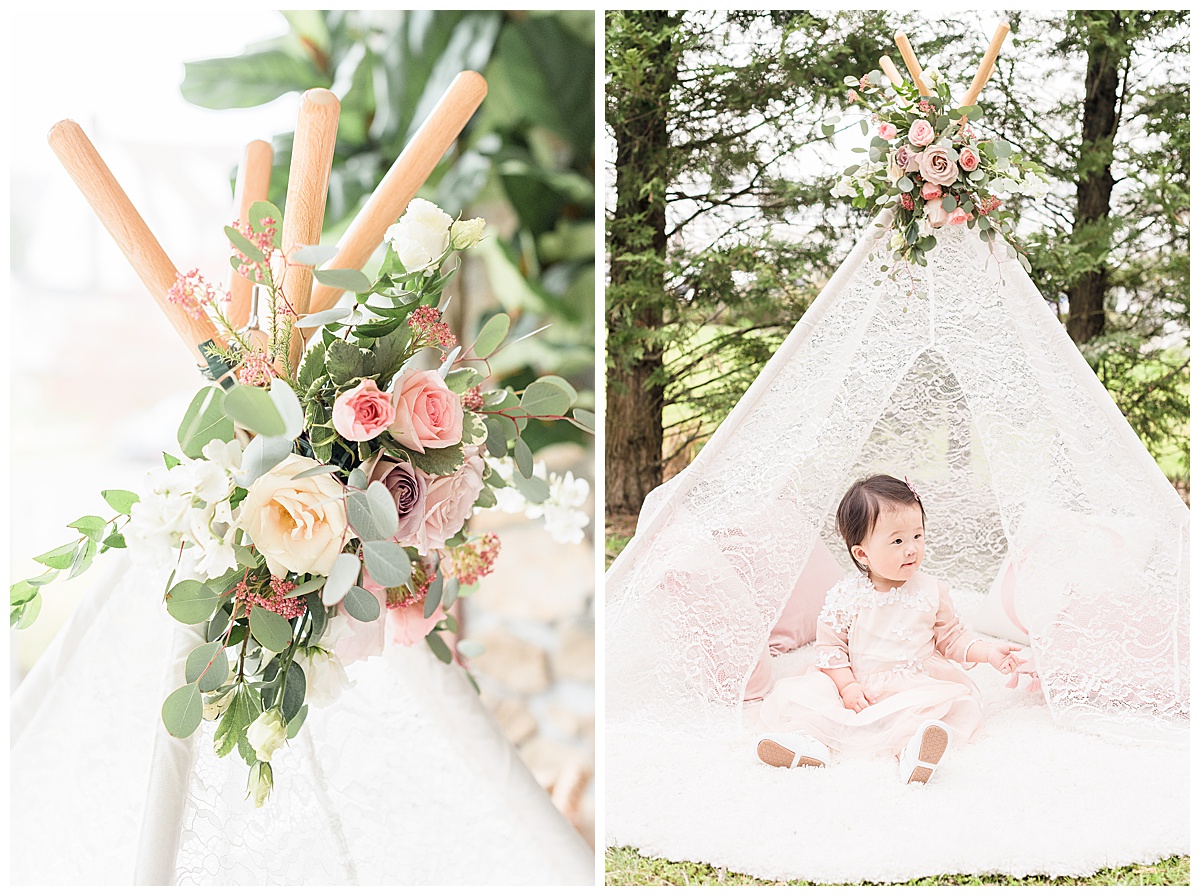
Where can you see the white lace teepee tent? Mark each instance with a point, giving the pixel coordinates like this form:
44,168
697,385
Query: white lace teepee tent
964,381
406,779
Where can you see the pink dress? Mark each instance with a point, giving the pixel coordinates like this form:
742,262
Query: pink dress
904,647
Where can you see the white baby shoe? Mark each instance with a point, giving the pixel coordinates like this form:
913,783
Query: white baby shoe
919,759
789,749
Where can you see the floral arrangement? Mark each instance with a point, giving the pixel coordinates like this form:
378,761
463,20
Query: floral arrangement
311,511
928,165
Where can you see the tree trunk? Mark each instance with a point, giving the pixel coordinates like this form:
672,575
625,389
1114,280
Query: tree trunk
636,299
1093,192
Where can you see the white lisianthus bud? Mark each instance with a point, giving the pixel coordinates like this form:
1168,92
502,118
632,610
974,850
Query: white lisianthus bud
267,734
897,241
421,237
465,234
260,783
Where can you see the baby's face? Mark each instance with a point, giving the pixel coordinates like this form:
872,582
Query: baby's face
895,547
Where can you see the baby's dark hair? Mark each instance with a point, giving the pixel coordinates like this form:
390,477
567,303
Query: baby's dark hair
863,501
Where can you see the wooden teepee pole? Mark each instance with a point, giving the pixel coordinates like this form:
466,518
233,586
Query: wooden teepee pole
910,62
253,184
890,71
304,209
987,66
410,170
119,217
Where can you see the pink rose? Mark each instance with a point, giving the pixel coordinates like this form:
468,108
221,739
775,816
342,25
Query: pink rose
958,216
887,131
921,133
931,191
449,501
408,625
936,166
363,412
935,213
408,487
968,159
913,163
428,414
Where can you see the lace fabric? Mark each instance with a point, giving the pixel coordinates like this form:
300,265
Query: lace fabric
958,376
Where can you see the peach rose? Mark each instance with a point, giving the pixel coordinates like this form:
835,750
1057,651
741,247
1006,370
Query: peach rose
363,412
958,216
428,413
931,191
935,213
968,159
936,166
298,525
921,133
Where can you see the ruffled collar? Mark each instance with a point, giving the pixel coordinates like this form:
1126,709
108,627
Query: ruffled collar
856,592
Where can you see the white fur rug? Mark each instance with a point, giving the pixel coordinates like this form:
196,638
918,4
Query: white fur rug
1028,797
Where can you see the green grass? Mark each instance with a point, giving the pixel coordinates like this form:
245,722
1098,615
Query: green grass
624,866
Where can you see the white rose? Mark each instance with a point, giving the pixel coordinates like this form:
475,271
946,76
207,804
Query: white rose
421,237
324,676
298,525
465,234
267,734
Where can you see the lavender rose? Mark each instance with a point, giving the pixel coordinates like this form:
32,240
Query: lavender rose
936,166
408,487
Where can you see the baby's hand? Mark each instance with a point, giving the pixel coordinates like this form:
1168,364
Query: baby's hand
854,696
1003,657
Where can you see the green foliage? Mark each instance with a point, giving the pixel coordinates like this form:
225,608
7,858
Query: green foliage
528,150
748,232
183,710
204,420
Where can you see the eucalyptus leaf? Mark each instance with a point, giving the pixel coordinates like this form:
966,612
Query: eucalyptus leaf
544,399
191,602
239,241
361,604
288,406
469,648
433,597
313,584
362,518
344,278
262,455
535,491
523,458
313,255
183,710
323,317
293,727
450,593
491,335
293,691
207,666
253,408
317,471
27,613
439,648
263,209
905,183
387,563
270,630
204,420
357,479
342,577
82,559
586,417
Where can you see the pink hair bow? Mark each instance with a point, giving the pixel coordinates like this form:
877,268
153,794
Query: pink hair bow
911,489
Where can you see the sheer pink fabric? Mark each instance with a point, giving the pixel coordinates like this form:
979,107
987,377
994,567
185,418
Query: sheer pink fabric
798,623
904,646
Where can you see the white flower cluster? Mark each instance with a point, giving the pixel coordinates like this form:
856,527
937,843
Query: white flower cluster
856,184
188,505
424,234
561,514
1031,185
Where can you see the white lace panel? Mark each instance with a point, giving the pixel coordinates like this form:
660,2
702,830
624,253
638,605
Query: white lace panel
975,392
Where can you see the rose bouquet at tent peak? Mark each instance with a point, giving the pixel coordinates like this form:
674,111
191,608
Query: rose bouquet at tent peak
928,165
317,512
